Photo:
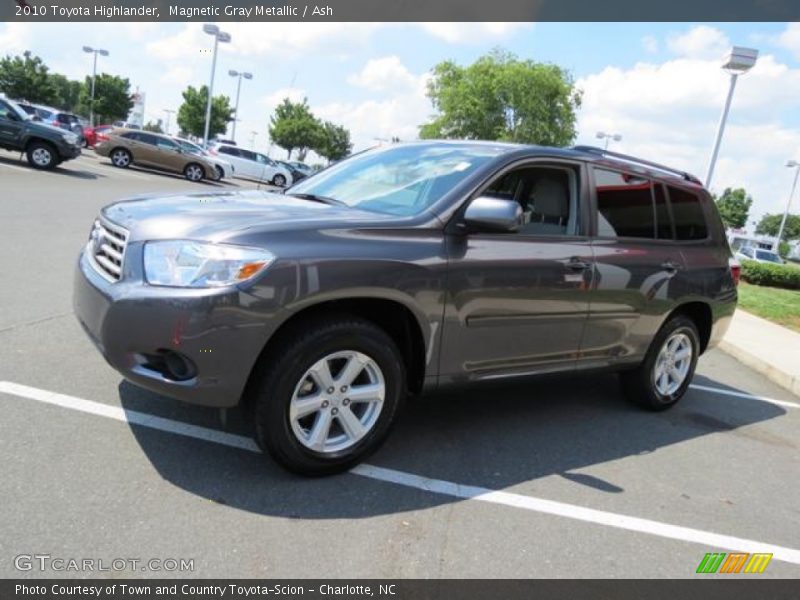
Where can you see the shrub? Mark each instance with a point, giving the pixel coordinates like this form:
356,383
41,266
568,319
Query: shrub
780,276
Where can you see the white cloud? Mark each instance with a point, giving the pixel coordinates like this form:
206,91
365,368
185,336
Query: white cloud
15,38
790,39
398,116
475,33
272,100
668,112
268,39
700,42
650,44
383,74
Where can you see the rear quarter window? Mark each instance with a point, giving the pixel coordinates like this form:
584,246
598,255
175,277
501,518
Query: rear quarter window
687,214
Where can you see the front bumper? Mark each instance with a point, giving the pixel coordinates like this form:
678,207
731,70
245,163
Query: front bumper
68,151
220,333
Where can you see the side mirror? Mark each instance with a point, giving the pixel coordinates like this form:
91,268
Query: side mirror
493,214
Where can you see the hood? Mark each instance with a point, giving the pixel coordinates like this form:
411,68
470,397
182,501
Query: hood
219,216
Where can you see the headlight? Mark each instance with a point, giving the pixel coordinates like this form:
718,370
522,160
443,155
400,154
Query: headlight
184,263
70,138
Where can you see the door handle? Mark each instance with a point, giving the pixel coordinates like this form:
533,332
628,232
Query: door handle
576,264
670,266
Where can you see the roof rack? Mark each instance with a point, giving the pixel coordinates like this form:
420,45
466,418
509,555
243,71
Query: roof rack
637,161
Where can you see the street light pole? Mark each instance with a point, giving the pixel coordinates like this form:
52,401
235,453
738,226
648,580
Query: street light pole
94,51
234,73
602,135
737,62
219,36
796,166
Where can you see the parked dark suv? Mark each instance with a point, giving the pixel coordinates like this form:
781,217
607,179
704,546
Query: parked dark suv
45,146
402,269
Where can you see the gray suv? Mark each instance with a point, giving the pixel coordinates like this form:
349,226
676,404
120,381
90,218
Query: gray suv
403,269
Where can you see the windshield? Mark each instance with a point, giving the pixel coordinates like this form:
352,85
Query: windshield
400,180
190,147
768,256
23,116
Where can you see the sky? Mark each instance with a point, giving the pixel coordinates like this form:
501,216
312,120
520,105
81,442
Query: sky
659,85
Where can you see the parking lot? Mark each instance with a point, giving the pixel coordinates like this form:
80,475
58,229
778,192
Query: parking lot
555,477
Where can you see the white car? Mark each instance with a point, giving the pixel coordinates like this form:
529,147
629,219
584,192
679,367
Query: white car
253,165
223,167
758,255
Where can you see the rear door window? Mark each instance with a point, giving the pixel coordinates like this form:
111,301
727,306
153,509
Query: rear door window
687,212
624,205
229,151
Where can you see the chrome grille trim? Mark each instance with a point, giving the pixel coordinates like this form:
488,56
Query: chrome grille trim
106,248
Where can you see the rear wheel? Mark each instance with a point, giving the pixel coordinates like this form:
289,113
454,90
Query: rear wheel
121,158
667,370
279,180
42,155
193,172
328,396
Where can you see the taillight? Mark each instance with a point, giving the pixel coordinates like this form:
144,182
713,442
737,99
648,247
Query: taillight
736,270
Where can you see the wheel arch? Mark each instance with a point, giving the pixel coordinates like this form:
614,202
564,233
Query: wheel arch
396,318
701,314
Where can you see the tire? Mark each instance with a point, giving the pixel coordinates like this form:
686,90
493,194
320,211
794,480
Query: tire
193,172
220,173
42,156
279,180
653,385
286,380
120,158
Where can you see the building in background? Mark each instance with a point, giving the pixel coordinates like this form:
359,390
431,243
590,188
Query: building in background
136,116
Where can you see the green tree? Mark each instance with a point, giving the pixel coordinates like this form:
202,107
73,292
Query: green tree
192,113
68,92
734,207
154,126
770,224
112,98
334,142
294,127
500,97
26,77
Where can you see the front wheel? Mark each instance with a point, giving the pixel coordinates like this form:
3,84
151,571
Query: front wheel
42,155
220,173
668,367
279,180
329,396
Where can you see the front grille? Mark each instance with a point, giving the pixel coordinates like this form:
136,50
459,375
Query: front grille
106,248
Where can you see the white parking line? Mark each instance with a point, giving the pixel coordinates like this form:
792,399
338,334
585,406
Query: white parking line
437,486
784,403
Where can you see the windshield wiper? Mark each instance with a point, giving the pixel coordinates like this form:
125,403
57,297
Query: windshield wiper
317,198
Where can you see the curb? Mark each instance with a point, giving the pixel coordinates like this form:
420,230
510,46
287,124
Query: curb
788,381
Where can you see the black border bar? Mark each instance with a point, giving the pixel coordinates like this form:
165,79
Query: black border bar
399,10
713,588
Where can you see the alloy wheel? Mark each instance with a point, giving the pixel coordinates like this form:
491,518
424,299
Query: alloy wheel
673,363
337,402
42,156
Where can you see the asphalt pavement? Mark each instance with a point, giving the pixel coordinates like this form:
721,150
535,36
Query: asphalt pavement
554,477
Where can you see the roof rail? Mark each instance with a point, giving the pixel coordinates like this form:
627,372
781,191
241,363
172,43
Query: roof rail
638,161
